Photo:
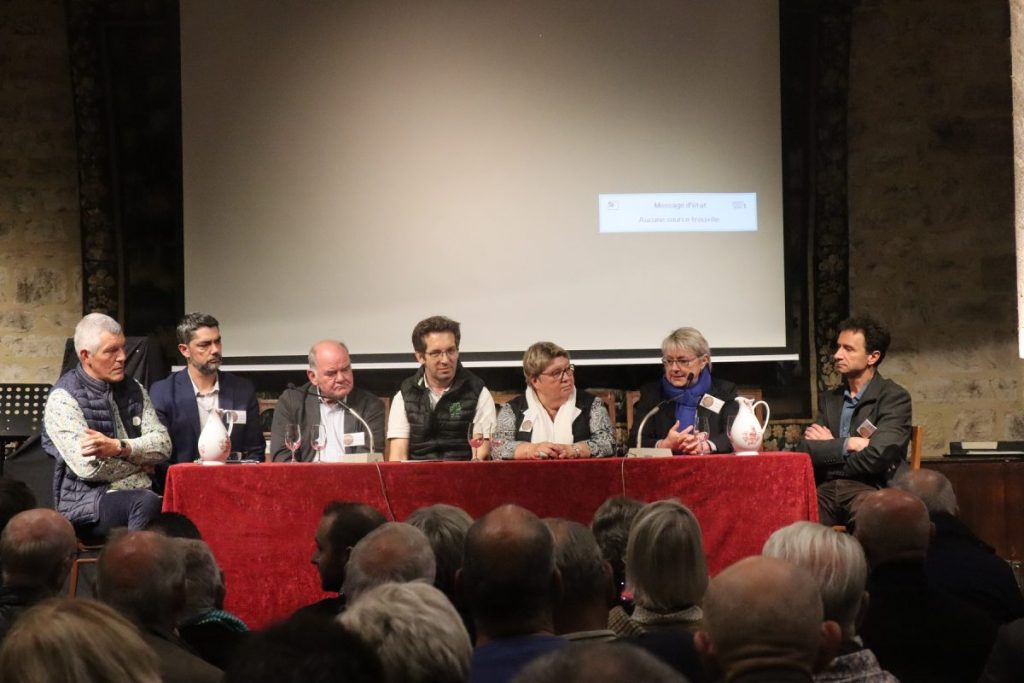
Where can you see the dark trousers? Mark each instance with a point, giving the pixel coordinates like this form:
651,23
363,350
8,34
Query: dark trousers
133,508
839,499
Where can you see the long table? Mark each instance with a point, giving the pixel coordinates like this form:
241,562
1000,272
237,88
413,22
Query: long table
260,519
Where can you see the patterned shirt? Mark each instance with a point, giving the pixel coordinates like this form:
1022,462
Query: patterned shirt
855,667
66,425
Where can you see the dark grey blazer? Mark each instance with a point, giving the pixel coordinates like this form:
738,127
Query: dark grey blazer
296,407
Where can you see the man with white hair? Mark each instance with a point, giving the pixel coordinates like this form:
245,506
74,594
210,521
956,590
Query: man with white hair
415,630
837,563
393,552
104,434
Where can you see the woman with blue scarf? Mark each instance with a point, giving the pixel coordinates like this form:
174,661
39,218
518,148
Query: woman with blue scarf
686,395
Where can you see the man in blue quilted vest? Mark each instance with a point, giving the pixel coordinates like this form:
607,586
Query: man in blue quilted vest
101,429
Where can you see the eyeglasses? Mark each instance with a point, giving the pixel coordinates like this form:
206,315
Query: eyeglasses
436,355
681,362
558,375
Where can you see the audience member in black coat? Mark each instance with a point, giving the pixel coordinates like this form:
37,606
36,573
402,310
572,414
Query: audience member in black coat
917,632
37,548
959,562
1006,663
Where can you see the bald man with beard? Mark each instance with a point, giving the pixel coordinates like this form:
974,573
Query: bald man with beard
764,623
37,548
917,633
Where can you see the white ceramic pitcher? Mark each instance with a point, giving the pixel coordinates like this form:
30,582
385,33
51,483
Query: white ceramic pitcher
215,440
747,431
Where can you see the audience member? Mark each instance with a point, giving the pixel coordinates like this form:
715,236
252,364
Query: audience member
175,525
101,429
141,574
434,409
511,583
1006,662
581,612
204,624
958,562
342,525
665,569
764,621
305,649
37,548
393,552
610,525
837,563
15,497
317,402
917,632
859,439
598,663
76,641
445,526
415,630
186,400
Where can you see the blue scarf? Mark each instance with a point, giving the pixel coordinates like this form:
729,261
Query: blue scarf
687,398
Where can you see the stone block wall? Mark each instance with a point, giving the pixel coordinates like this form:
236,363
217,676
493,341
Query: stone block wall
931,193
40,247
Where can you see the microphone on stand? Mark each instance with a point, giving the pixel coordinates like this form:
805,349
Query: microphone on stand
369,432
640,452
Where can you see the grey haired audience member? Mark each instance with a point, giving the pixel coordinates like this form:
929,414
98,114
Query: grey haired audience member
213,633
932,487
666,567
393,552
305,649
763,614
76,641
598,663
610,525
445,526
141,574
15,497
581,612
837,563
37,548
415,630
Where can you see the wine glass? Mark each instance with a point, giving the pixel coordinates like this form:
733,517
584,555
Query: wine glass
317,439
701,427
292,438
475,436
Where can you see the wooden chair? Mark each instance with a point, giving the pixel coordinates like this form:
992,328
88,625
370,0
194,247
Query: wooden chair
88,553
916,445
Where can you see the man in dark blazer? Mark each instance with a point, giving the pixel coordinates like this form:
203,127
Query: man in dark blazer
185,400
316,403
859,440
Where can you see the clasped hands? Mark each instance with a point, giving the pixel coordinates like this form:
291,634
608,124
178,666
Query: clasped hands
686,441
552,451
817,432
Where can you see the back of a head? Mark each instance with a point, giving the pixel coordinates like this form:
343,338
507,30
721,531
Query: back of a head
835,560
665,563
932,487
204,586
37,548
610,525
508,574
445,526
76,641
598,663
893,526
174,525
393,552
15,497
142,575
352,521
763,613
585,574
415,630
304,649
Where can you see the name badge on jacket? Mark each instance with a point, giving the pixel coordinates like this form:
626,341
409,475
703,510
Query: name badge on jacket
711,403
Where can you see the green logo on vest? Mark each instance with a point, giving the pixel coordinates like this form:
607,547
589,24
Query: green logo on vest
455,410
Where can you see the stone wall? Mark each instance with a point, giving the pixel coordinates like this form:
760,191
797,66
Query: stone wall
40,252
931,208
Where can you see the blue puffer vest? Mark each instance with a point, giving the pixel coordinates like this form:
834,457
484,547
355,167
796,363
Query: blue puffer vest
75,498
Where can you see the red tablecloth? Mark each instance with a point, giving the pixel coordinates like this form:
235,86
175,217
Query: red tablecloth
260,519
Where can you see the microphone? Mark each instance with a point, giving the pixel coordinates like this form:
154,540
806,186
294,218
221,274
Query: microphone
650,413
369,432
